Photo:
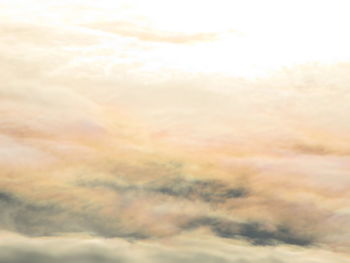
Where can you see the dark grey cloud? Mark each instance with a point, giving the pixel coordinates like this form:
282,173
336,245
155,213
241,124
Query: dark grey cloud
30,218
135,206
205,190
258,233
255,232
213,191
38,218
179,187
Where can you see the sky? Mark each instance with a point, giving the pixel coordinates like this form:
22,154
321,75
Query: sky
174,131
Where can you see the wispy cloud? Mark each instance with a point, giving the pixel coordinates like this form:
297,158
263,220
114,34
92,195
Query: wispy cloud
148,34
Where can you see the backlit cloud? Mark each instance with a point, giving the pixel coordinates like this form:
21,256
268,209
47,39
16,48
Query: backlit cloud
149,131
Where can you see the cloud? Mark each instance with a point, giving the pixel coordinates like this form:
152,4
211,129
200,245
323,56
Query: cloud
255,232
148,34
180,187
48,218
144,199
205,190
27,217
110,130
189,249
30,253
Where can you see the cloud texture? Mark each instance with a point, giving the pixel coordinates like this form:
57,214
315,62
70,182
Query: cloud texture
129,134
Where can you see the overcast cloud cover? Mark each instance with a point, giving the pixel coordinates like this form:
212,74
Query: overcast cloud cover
174,131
